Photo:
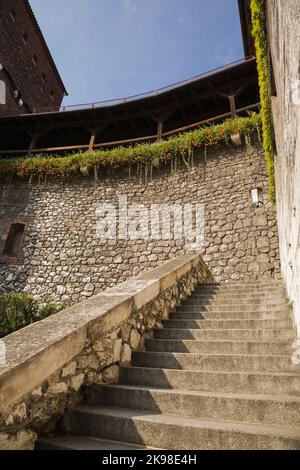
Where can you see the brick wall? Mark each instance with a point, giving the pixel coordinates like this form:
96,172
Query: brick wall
66,262
25,63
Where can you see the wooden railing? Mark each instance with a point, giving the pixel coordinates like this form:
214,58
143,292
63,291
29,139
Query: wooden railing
148,138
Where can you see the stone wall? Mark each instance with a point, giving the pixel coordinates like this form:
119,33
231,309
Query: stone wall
66,262
50,365
284,35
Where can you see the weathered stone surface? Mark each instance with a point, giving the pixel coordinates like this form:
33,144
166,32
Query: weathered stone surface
77,381
57,388
117,350
69,370
126,355
111,375
260,220
23,440
18,415
37,393
135,339
88,362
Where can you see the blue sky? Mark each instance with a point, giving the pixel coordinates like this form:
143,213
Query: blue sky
108,49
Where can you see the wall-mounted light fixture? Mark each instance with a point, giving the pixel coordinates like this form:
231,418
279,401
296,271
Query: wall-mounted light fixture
257,197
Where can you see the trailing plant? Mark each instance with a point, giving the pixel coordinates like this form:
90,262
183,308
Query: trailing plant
20,310
263,66
175,151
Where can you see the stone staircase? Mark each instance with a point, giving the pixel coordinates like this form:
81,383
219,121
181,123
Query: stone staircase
219,375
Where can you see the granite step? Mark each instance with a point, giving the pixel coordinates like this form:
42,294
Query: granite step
214,362
218,375
262,315
220,346
260,409
287,383
225,324
178,433
233,308
226,334
65,442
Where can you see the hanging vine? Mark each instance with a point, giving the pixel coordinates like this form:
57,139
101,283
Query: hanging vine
175,152
262,53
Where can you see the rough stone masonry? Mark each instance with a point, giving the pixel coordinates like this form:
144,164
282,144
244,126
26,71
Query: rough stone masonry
64,356
64,261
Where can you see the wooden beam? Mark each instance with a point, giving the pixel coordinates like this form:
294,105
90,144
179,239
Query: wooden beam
232,105
92,141
159,130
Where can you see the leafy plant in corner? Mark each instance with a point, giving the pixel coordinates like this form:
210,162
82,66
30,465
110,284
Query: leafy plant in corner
19,310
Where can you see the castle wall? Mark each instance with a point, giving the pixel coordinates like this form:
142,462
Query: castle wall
284,35
66,262
25,62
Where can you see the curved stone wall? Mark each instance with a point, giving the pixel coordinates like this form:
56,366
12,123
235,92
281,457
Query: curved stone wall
64,260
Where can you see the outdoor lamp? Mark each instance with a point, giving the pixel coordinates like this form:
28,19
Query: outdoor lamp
257,197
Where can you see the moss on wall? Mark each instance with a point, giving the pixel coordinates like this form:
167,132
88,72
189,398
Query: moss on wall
263,66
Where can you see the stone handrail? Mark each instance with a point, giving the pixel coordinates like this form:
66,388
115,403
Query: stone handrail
49,363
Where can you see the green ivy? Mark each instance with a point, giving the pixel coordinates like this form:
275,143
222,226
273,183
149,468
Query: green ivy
176,150
262,53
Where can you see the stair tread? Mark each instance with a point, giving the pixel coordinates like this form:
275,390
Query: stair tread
226,319
220,394
200,393
200,321
156,418
273,310
66,442
227,372
236,341
228,329
188,354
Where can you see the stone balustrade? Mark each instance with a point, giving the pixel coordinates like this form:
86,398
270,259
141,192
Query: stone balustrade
50,364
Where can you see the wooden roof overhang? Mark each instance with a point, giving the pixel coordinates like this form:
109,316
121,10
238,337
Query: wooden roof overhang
213,96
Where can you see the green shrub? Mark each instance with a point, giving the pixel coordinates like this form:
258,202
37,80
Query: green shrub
143,157
20,310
